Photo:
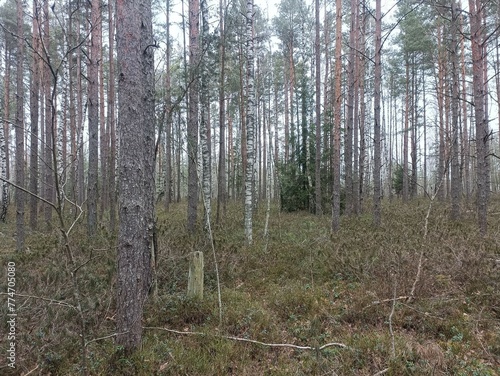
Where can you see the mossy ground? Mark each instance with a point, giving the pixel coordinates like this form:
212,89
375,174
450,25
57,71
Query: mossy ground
307,287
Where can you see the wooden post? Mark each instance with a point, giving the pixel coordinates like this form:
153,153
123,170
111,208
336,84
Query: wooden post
195,280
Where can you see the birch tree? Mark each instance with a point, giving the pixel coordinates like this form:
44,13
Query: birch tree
205,123
250,123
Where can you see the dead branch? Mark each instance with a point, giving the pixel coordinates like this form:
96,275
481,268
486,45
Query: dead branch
238,339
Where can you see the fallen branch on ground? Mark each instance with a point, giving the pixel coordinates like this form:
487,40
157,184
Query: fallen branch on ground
238,339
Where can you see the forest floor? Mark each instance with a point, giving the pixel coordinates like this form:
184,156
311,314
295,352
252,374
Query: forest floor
418,296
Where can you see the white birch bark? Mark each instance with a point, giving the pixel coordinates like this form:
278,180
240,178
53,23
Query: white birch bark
250,124
205,123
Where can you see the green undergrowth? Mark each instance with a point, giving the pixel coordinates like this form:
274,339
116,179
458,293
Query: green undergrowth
302,286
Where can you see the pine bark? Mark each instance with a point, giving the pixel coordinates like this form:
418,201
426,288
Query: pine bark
111,120
376,128
337,119
480,116
317,167
136,173
34,111
456,182
93,120
20,195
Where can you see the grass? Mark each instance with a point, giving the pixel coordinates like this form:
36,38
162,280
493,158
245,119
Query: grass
307,288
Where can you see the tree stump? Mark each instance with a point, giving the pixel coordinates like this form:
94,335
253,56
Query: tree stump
195,278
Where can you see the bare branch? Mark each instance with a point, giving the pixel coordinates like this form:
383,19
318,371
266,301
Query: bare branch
238,339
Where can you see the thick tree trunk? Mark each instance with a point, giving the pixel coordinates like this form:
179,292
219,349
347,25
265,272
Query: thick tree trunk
136,177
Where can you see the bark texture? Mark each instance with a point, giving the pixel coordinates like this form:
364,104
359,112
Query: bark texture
135,201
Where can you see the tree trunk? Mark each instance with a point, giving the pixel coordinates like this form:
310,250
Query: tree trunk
456,183
169,109
20,238
405,133
317,167
349,132
482,131
136,177
111,120
250,123
34,108
192,126
337,119
205,123
93,119
376,127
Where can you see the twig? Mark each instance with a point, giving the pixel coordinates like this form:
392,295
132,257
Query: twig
426,231
376,302
101,338
45,299
33,370
391,330
238,339
384,371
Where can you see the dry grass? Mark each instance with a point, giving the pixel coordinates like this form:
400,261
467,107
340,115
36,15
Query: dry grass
308,288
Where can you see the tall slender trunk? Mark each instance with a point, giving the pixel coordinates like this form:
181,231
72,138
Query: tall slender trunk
337,119
205,120
376,126
93,120
482,131
465,125
111,120
349,132
362,112
49,169
20,196
169,109
405,134
250,123
192,126
440,97
34,108
317,167
456,183
103,131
